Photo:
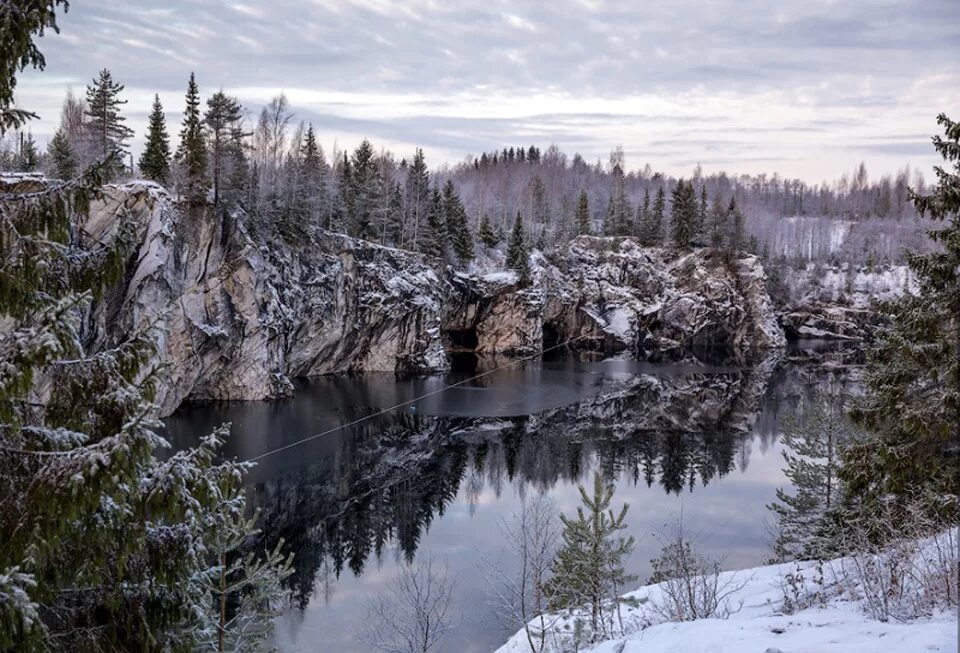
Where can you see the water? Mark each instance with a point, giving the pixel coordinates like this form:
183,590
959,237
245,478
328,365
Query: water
438,476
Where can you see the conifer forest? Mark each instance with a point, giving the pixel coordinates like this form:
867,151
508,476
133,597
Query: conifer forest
419,328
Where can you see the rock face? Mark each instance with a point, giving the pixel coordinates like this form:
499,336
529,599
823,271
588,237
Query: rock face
830,322
661,303
613,294
237,320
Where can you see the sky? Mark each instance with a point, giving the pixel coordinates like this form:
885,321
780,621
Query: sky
805,88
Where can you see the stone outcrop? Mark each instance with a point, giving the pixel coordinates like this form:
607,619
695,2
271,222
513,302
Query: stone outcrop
613,294
238,318
830,322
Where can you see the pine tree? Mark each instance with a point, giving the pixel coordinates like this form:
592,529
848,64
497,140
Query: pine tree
912,407
192,152
155,160
589,565
486,234
223,114
812,447
106,130
683,214
517,257
63,162
583,214
455,217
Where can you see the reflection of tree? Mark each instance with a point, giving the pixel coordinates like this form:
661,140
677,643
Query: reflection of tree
386,482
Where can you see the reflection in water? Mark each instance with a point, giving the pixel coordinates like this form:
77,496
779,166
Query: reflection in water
378,491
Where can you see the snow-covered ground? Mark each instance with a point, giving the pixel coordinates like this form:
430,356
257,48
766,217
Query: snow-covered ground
839,623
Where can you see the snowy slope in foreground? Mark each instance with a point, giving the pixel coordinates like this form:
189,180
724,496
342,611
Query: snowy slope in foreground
761,627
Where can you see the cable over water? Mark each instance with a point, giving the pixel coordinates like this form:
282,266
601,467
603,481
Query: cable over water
409,402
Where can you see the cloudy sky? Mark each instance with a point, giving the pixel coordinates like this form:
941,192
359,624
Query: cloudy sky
807,88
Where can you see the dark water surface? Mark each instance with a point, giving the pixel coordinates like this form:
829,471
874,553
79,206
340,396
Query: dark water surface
436,477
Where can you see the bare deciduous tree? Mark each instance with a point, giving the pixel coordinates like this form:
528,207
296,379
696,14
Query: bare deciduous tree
414,612
691,586
518,587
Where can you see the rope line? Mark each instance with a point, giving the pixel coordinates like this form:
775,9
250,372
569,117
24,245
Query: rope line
409,402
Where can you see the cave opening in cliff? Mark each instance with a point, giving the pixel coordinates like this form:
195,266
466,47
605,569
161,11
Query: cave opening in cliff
462,340
551,336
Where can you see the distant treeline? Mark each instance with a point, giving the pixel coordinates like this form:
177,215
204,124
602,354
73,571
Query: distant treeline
275,170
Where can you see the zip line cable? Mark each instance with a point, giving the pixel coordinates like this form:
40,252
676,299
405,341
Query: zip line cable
409,402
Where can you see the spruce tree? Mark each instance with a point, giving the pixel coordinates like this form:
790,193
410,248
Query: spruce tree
365,191
717,229
104,546
315,173
106,130
28,158
342,212
63,162
418,200
912,407
619,212
583,214
486,234
701,225
435,233
643,217
155,160
21,21
192,151
517,257
222,116
455,217
589,567
653,233
683,214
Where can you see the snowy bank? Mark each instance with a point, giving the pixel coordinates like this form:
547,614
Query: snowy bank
836,620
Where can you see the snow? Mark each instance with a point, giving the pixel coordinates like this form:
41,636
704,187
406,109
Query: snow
505,277
760,625
861,286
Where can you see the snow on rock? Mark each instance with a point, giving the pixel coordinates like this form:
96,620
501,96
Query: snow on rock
237,319
758,622
858,287
659,302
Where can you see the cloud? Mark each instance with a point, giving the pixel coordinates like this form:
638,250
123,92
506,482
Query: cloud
795,81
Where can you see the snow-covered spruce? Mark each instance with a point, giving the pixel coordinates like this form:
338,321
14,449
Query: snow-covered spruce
804,607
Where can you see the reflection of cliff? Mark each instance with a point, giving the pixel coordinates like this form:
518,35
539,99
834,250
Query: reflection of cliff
386,483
